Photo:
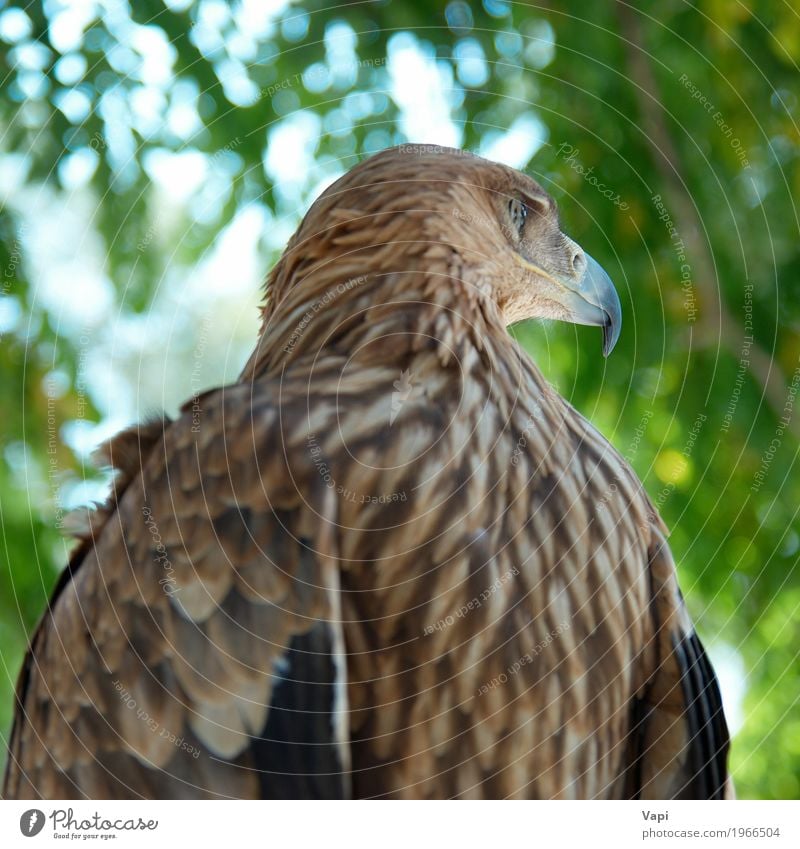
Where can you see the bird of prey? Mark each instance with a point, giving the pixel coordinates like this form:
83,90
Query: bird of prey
390,561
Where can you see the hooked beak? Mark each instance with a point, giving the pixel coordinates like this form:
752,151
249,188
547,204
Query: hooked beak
595,301
591,300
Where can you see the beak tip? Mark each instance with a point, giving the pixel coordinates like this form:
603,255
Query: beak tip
611,330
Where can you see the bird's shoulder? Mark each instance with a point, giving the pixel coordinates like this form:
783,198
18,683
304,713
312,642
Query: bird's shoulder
155,667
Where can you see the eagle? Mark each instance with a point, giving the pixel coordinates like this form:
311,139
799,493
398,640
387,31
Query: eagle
390,560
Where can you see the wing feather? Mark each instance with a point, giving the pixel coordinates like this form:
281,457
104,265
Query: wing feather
679,737
153,673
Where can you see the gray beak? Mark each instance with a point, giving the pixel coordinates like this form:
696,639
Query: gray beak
597,288
594,301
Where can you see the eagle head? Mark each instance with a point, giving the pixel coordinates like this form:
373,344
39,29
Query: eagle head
481,234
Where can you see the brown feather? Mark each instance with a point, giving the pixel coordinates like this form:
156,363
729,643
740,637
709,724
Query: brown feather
505,617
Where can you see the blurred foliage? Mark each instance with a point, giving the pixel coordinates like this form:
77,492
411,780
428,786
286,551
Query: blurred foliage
694,102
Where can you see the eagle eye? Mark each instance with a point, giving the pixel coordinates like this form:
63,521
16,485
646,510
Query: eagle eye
517,212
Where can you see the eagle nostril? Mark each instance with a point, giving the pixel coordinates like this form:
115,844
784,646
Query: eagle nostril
578,263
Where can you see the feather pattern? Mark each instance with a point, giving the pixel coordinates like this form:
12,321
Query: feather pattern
391,561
